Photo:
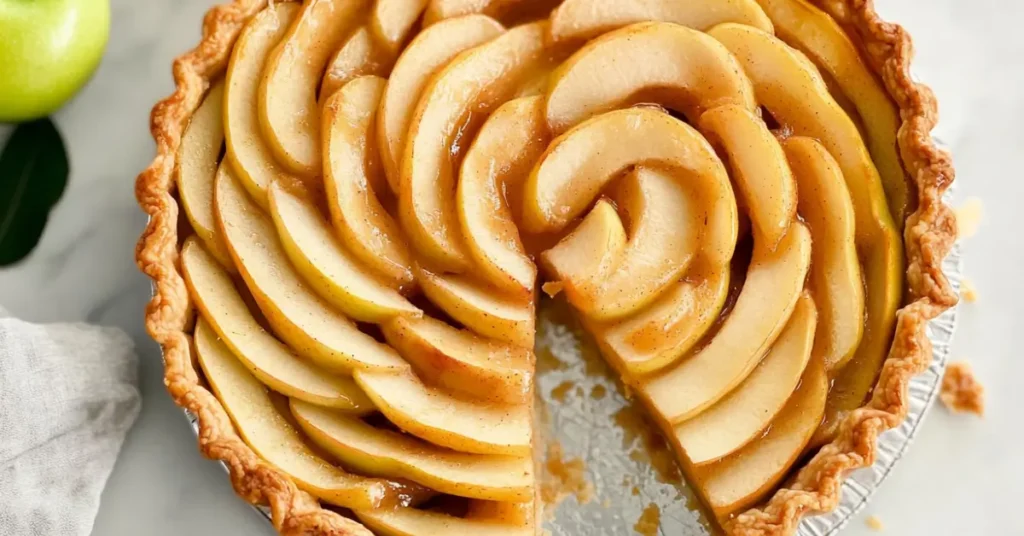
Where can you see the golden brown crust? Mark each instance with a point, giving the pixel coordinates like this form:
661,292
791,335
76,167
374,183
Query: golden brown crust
929,235
167,315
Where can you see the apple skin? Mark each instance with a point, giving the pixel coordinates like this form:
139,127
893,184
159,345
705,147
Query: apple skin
48,51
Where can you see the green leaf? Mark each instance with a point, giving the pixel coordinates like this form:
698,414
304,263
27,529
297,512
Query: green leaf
33,174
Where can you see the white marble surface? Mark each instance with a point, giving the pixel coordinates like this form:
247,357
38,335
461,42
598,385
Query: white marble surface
962,476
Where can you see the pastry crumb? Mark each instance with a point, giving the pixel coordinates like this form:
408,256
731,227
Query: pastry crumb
649,522
552,288
961,390
967,291
968,217
874,523
564,477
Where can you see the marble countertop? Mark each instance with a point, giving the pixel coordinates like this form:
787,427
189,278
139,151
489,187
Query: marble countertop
962,476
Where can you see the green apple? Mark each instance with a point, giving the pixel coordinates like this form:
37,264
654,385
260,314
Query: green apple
48,50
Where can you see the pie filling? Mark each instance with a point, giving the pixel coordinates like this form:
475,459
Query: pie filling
713,186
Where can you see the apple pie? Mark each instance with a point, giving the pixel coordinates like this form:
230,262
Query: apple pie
739,199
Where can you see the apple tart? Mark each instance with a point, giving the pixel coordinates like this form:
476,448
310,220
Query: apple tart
739,199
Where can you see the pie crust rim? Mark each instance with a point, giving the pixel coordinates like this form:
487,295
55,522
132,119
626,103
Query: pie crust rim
929,235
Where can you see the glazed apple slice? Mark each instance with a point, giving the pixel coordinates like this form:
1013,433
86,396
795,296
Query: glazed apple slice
427,52
359,56
373,451
351,173
581,20
659,62
748,410
445,420
759,168
391,21
587,255
441,10
498,161
836,278
410,521
748,475
250,158
471,85
774,282
296,313
197,165
480,308
522,514
666,224
816,34
270,435
287,107
657,336
459,361
578,164
269,360
332,271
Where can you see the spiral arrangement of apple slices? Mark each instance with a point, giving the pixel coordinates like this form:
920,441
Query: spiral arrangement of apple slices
711,183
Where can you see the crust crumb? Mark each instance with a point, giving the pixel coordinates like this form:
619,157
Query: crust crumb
564,477
649,522
874,523
968,217
961,390
552,288
967,291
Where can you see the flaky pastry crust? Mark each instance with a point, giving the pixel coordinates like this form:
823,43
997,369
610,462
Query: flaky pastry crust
929,234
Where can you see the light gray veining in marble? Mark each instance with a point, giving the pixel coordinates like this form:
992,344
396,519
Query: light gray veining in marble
961,476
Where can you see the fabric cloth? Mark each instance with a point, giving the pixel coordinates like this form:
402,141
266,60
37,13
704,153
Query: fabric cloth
68,395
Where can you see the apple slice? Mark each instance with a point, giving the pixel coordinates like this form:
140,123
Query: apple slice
391,21
747,411
481,308
471,85
427,52
197,164
287,105
744,478
298,315
248,154
447,421
359,56
459,361
441,10
667,222
351,172
578,164
582,20
269,360
332,271
774,282
520,514
836,279
373,451
498,161
816,34
657,336
409,522
273,438
681,68
759,169
587,255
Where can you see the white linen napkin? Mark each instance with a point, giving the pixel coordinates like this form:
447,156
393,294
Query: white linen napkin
68,396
